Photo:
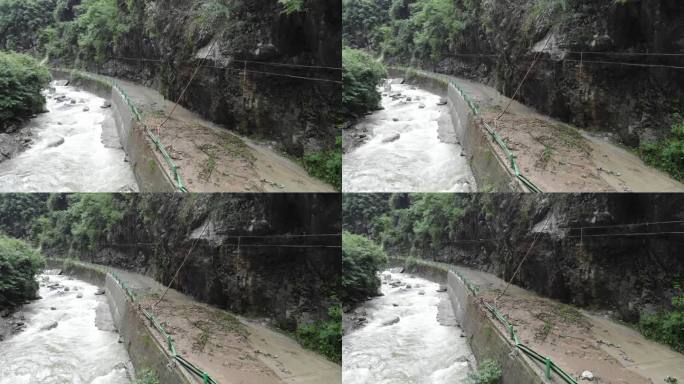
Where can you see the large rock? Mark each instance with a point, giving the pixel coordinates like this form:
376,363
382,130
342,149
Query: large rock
391,321
391,137
55,142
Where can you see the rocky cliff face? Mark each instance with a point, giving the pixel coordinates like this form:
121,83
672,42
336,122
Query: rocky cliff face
169,38
595,267
572,80
258,274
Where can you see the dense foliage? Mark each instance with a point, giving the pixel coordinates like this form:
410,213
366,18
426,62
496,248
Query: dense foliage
406,29
18,211
361,261
78,221
326,165
667,155
666,327
359,211
19,263
324,336
420,221
361,75
22,79
21,21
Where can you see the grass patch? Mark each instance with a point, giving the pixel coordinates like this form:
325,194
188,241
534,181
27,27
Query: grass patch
324,337
236,147
203,338
147,376
666,327
668,154
489,372
326,165
230,323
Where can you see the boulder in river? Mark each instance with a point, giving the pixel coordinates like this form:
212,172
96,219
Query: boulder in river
391,321
55,142
442,289
106,104
99,292
86,109
442,101
61,83
50,326
421,106
392,137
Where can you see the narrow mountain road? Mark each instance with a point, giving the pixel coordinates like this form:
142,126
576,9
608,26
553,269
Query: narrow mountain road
214,159
231,349
559,157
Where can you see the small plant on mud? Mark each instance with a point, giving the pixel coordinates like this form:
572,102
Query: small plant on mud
147,376
668,154
489,372
671,380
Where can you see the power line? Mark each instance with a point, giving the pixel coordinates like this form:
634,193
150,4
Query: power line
628,234
620,53
267,63
251,71
627,225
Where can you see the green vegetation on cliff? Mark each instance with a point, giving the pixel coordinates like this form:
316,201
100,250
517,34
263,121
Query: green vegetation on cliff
668,154
22,79
19,264
666,327
361,75
361,261
420,221
324,337
21,22
326,165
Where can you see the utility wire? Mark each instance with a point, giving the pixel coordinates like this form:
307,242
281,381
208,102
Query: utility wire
626,225
524,258
182,264
628,234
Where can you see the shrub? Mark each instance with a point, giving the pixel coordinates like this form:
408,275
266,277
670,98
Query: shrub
361,260
489,372
22,79
147,376
666,327
667,155
19,263
324,336
361,75
326,165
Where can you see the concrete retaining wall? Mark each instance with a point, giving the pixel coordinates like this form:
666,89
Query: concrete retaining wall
148,170
486,340
143,349
491,172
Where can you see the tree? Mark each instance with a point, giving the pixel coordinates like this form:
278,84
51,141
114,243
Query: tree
22,79
19,263
361,75
361,261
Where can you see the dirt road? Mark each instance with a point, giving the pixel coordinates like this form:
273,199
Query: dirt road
558,157
578,340
231,349
214,159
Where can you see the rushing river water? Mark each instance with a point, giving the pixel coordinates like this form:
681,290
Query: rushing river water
412,147
75,149
67,339
424,347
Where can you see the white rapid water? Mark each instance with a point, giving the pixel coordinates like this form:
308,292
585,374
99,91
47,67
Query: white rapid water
425,158
89,160
82,349
418,349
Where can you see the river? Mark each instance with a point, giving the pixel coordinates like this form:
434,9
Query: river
411,147
82,348
75,148
424,347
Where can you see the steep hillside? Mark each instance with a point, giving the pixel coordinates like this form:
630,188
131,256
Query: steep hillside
628,269
244,252
603,65
266,69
